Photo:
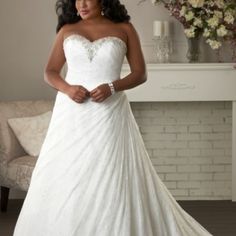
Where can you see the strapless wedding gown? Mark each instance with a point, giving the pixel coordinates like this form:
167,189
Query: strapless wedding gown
93,176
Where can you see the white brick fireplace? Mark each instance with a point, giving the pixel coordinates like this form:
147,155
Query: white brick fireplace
187,117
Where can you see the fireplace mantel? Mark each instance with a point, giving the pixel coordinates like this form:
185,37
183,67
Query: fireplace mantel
176,82
186,82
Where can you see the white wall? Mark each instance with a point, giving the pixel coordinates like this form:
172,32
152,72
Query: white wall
27,32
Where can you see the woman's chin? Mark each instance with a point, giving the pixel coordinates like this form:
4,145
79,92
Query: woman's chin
88,16
85,15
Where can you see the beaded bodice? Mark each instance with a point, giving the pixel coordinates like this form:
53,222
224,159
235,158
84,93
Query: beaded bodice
93,62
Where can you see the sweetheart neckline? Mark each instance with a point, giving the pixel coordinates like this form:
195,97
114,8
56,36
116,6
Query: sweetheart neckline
96,40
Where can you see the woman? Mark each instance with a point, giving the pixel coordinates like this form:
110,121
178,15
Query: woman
93,176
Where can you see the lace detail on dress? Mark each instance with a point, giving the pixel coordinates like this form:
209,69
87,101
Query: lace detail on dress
93,46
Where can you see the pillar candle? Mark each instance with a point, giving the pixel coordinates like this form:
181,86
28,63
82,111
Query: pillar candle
158,28
166,28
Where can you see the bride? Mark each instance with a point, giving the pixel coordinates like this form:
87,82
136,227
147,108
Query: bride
93,176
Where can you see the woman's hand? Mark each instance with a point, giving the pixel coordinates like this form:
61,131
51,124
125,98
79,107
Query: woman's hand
77,93
100,93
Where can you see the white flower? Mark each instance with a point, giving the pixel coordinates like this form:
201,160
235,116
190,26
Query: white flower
197,22
183,11
190,32
208,11
189,16
213,22
220,3
196,3
229,17
218,14
221,31
214,43
206,33
211,3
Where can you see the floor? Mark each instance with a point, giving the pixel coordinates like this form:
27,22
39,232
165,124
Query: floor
219,217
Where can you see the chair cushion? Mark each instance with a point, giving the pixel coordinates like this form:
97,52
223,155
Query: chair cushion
17,173
31,131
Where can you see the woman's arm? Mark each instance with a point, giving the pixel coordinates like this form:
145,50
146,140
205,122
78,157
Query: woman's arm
53,68
136,61
55,63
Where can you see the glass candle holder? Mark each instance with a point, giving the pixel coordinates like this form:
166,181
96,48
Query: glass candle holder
162,49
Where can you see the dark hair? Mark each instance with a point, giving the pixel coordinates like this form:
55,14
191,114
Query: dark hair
67,12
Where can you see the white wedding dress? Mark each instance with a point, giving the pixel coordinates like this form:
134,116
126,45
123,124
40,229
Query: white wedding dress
93,176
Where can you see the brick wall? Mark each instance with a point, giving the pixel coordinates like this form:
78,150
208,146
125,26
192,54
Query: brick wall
189,144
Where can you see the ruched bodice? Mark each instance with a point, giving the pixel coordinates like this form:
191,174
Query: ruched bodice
93,62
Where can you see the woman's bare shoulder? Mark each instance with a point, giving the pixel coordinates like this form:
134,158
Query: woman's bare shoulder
128,28
130,31
67,29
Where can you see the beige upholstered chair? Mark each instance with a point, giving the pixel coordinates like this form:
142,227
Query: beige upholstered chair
16,165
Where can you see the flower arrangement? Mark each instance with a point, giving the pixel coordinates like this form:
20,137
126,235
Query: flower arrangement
215,20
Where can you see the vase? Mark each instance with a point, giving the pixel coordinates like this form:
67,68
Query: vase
193,52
